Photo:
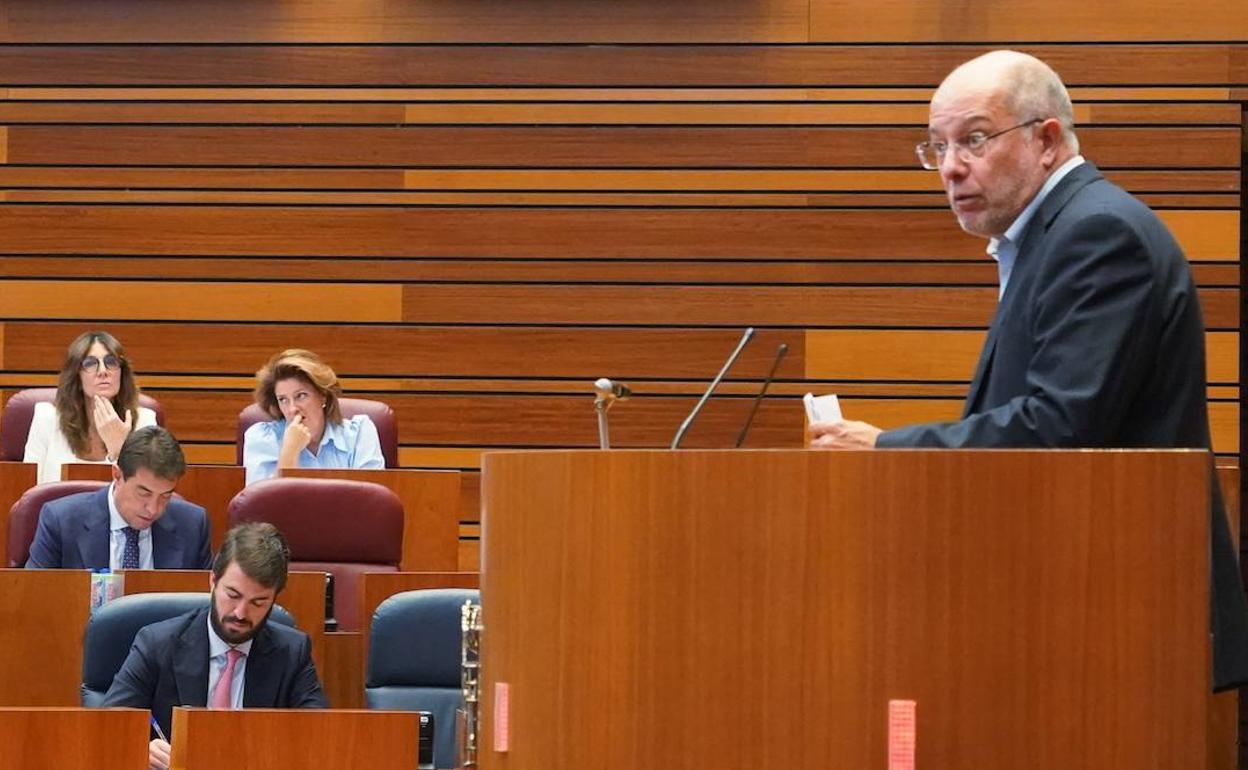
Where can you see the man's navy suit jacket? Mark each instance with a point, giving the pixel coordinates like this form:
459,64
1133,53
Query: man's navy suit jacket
168,666
73,533
1098,341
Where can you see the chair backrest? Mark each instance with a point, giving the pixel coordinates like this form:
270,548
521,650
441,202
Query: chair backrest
339,526
112,628
414,660
19,410
379,412
24,515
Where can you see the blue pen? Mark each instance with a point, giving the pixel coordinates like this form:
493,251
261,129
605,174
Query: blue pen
159,732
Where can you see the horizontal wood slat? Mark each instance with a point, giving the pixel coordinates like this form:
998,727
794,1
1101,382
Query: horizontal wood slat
375,21
982,273
362,303
537,113
571,146
816,66
648,200
900,354
1137,95
418,351
1014,20
529,233
963,307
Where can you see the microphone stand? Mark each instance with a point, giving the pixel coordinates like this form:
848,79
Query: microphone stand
601,406
732,359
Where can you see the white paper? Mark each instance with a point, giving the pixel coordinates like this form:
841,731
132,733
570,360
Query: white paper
822,408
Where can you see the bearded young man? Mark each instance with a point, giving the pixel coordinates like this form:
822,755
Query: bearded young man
225,655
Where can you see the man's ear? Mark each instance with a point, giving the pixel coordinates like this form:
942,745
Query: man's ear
1051,136
117,474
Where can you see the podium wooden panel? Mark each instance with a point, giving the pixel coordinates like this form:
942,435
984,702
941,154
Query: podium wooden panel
309,739
44,614
759,609
73,739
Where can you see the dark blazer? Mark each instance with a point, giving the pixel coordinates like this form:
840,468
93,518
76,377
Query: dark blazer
73,533
168,666
1099,342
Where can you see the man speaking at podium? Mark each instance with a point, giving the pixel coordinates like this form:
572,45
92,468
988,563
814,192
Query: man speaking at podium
1098,339
225,655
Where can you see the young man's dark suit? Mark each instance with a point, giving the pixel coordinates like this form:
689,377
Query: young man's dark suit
1099,342
74,533
168,666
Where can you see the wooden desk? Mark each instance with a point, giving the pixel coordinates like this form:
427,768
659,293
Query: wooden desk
15,479
430,512
44,613
73,739
42,617
308,739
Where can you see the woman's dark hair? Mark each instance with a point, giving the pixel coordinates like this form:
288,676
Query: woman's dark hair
71,405
302,365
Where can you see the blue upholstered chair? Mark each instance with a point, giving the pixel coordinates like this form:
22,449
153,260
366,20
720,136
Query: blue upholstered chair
112,628
414,660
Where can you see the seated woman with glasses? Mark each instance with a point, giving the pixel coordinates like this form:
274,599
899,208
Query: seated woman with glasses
301,392
96,407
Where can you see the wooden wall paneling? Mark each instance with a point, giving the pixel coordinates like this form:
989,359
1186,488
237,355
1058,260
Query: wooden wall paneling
1111,21
724,306
568,146
381,21
511,351
566,111
165,300
912,354
1175,201
751,65
521,233
898,273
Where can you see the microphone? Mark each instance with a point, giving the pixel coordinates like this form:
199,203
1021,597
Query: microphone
607,393
732,359
775,364
608,390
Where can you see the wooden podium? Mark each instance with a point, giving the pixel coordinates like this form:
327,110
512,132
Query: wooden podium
761,609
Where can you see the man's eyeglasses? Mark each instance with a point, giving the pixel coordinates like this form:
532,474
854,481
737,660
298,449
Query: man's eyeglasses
969,147
111,362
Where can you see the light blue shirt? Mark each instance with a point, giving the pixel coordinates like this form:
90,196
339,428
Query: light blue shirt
1004,249
217,648
353,443
117,537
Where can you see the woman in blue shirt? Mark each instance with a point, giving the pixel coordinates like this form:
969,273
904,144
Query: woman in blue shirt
301,392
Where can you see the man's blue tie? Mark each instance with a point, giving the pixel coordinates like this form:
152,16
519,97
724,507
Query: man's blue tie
130,556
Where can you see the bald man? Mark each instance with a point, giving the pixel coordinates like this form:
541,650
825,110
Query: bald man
1098,339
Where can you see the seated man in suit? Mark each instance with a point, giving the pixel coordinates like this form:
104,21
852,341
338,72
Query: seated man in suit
133,524
227,649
